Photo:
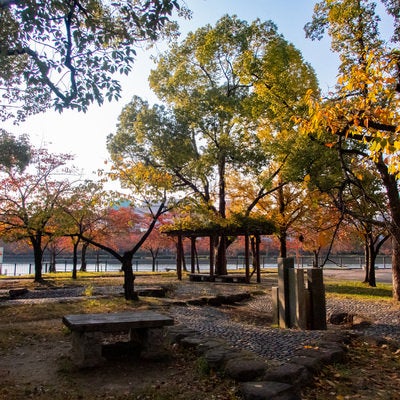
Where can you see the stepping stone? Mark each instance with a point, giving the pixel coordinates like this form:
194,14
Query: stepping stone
268,391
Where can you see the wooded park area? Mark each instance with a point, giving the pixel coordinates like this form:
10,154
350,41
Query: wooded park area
242,132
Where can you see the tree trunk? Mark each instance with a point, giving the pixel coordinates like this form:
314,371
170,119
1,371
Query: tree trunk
372,275
220,262
75,259
392,192
315,260
52,266
129,277
282,243
38,257
83,257
221,186
396,267
154,255
282,227
370,258
367,262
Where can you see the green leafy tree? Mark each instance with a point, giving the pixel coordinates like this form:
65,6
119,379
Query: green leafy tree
14,152
208,129
65,54
279,78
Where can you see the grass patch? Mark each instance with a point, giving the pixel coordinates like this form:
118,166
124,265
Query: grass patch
35,312
18,322
359,290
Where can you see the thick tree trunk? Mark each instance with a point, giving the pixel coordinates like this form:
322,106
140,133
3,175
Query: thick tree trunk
221,267
75,260
282,228
396,268
38,257
370,258
129,277
371,265
316,259
392,192
282,243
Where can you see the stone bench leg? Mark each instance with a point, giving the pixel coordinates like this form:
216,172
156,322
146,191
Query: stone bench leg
147,339
86,349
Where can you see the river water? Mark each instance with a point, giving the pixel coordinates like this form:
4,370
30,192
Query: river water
15,267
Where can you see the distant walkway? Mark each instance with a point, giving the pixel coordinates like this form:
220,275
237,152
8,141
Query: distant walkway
383,275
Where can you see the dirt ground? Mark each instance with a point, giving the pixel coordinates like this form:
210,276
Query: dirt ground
34,363
40,368
35,358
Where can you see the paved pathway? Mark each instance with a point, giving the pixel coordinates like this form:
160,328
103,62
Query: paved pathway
280,344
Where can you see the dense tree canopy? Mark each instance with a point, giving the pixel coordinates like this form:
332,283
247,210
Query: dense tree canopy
64,54
366,102
223,86
14,152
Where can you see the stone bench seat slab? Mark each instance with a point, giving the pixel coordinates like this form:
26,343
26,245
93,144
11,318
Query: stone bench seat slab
114,322
87,330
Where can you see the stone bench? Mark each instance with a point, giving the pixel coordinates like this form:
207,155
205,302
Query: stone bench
201,278
88,331
231,279
217,278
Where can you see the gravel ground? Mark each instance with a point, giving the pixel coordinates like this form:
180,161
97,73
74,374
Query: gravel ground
272,343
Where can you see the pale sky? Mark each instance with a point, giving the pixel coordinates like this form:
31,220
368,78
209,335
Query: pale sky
84,135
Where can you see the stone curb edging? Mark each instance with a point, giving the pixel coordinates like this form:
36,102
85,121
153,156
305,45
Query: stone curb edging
258,380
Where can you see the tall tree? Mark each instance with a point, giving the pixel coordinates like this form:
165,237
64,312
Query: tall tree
64,54
86,204
279,78
30,201
208,130
125,254
366,103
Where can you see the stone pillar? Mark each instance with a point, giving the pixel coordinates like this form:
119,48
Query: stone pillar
275,305
317,301
284,264
297,299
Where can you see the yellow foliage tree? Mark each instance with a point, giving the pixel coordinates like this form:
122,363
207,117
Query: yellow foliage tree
365,107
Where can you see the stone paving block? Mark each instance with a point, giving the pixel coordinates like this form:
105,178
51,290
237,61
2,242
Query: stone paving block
268,391
217,357
191,342
294,374
311,363
211,343
325,355
244,369
176,333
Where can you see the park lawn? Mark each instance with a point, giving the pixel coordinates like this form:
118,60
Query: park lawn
350,289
